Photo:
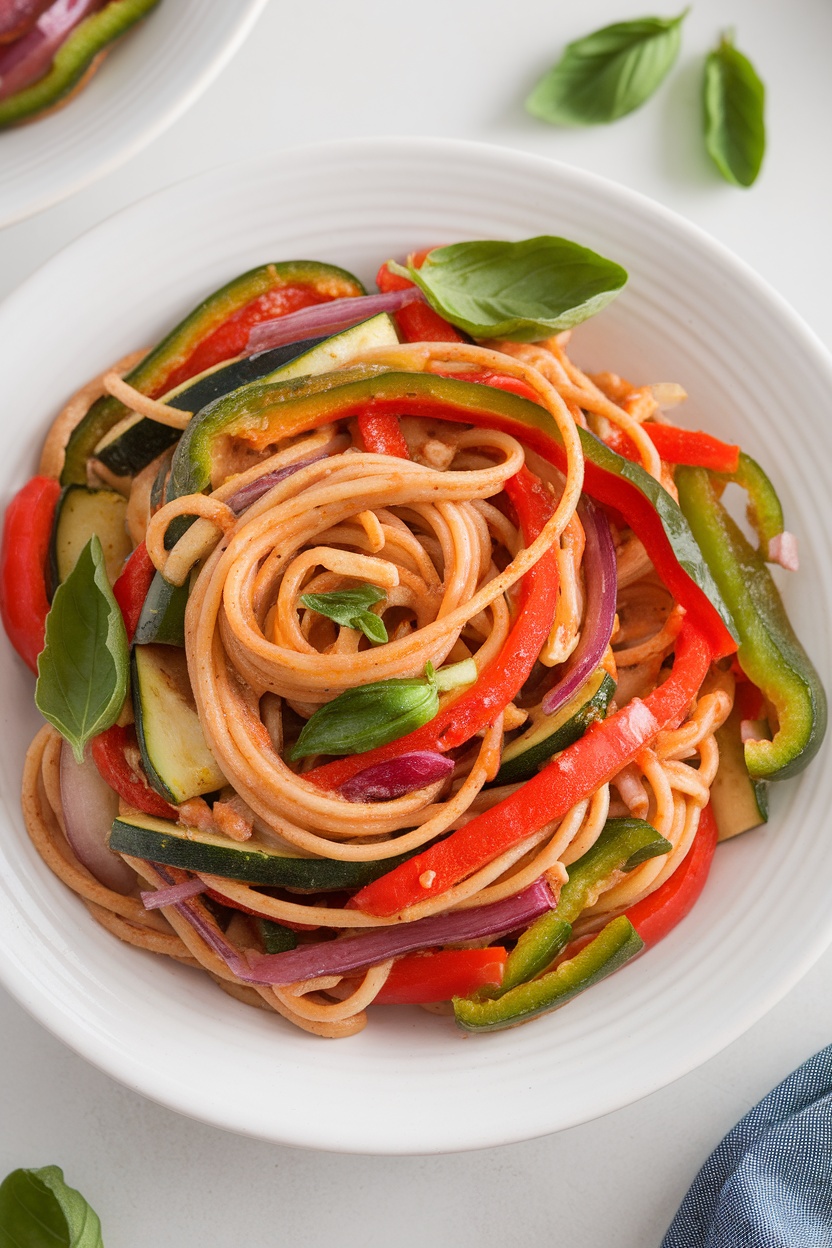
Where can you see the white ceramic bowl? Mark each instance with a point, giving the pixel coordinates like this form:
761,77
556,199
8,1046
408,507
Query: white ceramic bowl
411,1082
156,72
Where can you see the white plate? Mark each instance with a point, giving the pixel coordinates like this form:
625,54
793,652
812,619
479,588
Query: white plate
410,1082
152,75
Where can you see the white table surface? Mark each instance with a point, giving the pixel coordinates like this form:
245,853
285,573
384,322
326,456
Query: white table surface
459,68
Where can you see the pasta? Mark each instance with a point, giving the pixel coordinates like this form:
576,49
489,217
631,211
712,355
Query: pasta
412,582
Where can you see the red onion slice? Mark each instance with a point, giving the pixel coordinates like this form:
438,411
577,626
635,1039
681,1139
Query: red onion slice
326,318
17,17
251,492
154,899
90,806
337,957
397,776
30,57
599,612
782,549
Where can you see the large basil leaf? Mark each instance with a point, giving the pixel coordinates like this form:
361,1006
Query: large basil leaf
609,73
82,672
735,132
520,291
39,1210
368,716
351,609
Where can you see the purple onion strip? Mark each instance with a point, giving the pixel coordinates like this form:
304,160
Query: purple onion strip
397,776
250,493
338,957
601,577
28,58
325,318
153,899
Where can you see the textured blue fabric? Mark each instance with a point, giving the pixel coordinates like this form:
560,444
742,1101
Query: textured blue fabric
769,1183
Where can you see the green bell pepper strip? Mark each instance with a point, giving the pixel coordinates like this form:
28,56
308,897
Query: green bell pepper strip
622,846
765,513
221,322
614,945
769,652
264,412
73,59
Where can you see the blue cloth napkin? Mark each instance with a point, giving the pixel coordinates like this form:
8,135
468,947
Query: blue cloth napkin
769,1183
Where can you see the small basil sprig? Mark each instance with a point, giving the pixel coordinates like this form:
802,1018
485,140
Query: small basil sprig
82,672
368,716
608,73
520,291
349,607
39,1210
734,97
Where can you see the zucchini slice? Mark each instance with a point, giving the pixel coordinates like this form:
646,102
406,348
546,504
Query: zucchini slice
157,371
80,513
739,802
251,862
547,734
135,441
176,758
163,615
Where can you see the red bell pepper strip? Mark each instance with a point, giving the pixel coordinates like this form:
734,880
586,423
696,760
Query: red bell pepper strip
130,589
419,978
573,775
654,917
419,322
27,532
230,338
387,281
382,435
693,447
110,755
504,676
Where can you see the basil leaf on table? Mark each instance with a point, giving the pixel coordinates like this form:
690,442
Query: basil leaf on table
39,1210
363,718
608,73
350,608
520,291
82,672
735,132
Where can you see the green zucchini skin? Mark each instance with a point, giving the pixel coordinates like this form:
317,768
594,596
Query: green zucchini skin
163,615
548,734
174,753
72,60
128,449
173,351
158,840
80,513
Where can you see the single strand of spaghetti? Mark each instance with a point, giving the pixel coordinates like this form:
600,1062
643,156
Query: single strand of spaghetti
566,625
325,1011
53,454
211,509
143,405
591,828
499,526
166,943
373,528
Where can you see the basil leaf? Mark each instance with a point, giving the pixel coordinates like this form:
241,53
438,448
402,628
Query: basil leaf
609,73
82,672
735,132
348,607
39,1210
363,718
521,291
